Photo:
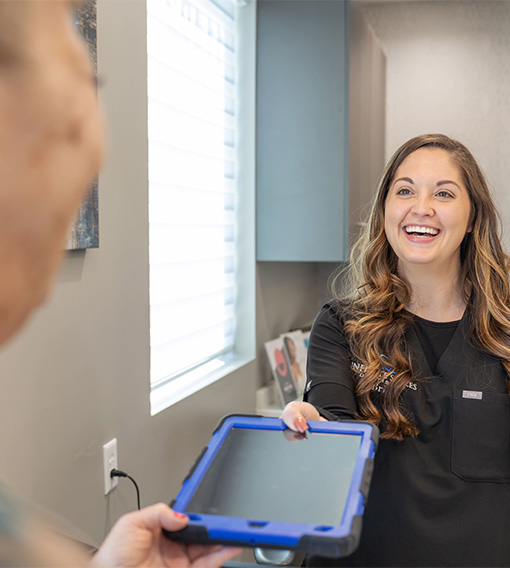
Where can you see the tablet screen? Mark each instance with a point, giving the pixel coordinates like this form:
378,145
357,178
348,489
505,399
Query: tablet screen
276,475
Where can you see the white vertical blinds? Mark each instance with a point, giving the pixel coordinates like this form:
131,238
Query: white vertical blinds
192,189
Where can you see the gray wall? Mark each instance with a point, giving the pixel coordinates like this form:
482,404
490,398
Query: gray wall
367,105
448,66
77,376
288,297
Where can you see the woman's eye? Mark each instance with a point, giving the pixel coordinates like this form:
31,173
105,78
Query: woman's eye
443,193
404,191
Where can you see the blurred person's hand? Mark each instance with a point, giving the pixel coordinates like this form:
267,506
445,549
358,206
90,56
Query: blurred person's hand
137,540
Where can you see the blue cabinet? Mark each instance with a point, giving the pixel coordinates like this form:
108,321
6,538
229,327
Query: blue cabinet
302,130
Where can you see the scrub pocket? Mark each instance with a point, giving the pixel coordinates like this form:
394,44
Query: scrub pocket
481,436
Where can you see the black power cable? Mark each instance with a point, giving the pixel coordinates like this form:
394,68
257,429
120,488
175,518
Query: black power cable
119,473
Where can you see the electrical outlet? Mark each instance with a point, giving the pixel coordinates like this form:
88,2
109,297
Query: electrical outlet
109,463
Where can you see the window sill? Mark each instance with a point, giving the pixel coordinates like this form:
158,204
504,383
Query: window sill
190,383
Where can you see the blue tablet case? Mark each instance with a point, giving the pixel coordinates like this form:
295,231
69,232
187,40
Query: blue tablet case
258,484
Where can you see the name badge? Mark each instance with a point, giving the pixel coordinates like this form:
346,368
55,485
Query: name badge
477,395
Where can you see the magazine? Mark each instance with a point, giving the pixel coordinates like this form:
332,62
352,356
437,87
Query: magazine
280,367
296,351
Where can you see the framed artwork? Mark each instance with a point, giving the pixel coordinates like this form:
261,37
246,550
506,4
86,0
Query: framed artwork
85,231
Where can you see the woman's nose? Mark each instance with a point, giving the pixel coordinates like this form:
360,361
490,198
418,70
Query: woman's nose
423,206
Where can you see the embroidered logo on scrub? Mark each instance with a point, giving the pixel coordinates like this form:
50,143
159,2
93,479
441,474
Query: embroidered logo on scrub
385,364
386,376
477,395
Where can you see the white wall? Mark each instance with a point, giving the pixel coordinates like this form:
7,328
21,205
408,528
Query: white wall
78,374
448,70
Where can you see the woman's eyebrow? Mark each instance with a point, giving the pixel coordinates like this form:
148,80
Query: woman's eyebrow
408,180
446,182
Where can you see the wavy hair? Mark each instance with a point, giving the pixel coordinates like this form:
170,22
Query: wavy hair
376,320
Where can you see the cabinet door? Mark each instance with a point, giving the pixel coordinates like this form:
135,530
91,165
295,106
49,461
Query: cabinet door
302,130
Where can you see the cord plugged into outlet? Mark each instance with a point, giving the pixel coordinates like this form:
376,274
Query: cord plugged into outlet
111,473
109,464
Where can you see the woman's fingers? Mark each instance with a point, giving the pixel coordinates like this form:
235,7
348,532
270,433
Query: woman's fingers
295,415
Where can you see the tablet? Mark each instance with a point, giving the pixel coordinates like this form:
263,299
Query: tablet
259,484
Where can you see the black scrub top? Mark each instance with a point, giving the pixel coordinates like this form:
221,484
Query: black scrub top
441,498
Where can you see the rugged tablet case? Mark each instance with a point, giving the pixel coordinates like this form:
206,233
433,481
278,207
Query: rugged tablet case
331,541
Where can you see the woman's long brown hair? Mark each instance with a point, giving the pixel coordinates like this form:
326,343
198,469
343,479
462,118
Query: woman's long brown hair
376,320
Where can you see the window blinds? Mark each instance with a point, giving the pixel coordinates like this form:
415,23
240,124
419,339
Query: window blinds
192,190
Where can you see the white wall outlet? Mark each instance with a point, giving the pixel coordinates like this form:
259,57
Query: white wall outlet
109,463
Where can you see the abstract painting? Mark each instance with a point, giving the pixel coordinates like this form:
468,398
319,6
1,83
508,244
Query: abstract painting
85,232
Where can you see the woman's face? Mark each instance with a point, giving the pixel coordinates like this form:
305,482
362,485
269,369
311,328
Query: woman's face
427,211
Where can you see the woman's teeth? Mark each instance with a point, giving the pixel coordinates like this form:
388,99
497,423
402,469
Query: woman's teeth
417,231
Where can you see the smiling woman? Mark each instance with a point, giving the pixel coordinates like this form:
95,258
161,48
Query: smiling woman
427,215
420,346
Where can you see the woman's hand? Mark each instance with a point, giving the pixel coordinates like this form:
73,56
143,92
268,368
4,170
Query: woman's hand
295,415
137,540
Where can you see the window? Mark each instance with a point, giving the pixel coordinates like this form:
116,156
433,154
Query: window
193,195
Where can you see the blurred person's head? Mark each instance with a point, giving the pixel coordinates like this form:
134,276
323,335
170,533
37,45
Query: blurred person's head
50,147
